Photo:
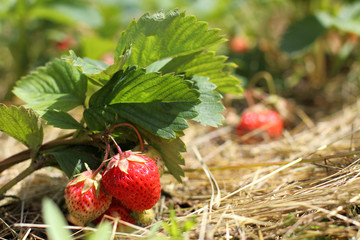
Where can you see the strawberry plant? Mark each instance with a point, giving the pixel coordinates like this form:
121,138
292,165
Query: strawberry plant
165,73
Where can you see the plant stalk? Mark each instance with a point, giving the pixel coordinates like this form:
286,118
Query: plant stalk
26,154
141,141
268,78
34,165
104,161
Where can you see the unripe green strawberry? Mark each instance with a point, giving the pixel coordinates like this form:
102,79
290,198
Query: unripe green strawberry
85,199
143,218
152,153
133,179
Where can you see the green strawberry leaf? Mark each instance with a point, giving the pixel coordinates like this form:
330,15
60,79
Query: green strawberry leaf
61,120
22,124
98,72
156,66
210,107
170,150
159,36
206,65
155,103
300,35
72,161
56,221
58,85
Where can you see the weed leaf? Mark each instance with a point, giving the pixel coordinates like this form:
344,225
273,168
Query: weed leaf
56,221
103,232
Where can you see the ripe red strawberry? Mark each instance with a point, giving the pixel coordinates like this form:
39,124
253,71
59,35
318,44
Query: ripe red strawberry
238,44
116,210
85,199
133,179
152,153
65,43
268,119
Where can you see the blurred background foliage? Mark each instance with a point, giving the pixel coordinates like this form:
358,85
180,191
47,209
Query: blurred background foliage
309,48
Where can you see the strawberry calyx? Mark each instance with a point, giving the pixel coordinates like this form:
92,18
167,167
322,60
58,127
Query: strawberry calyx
131,156
151,152
121,160
89,182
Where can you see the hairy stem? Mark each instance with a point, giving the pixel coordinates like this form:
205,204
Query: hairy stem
14,159
35,165
26,154
268,78
117,146
141,141
104,161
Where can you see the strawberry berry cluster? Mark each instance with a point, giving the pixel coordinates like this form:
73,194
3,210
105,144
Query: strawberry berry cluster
127,188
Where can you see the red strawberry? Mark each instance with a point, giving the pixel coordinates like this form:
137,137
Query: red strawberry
268,119
65,43
116,210
152,153
85,199
238,44
133,179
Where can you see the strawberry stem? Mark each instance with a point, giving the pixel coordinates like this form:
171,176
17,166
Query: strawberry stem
268,78
104,161
249,98
141,141
117,146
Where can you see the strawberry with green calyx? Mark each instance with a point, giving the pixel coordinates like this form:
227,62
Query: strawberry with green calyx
133,179
152,153
85,198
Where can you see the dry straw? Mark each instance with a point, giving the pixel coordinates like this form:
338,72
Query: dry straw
303,185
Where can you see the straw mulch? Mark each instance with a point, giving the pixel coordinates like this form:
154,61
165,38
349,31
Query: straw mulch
303,185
